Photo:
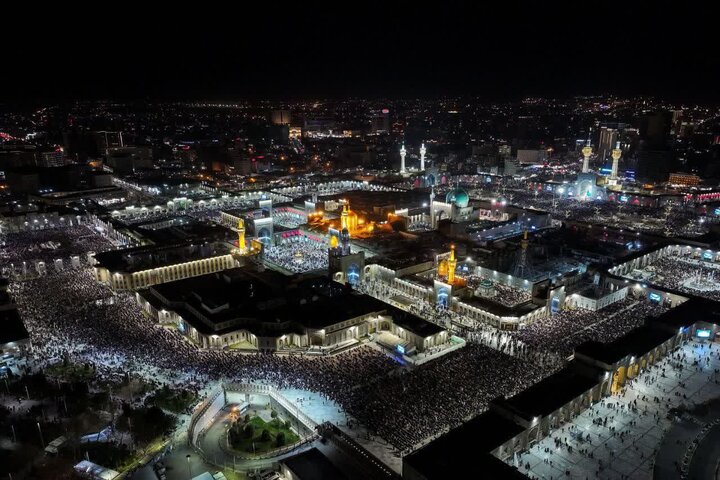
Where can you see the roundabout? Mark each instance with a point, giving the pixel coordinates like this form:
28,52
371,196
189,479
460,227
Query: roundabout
249,426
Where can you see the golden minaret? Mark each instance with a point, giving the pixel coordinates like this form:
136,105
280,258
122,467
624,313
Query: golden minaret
452,263
241,235
344,217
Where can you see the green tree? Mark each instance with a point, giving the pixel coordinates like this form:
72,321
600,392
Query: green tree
273,414
280,439
249,430
265,435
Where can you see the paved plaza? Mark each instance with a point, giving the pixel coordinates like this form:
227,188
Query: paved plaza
320,409
618,437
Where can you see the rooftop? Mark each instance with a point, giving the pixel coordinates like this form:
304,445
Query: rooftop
413,323
313,465
636,343
12,328
137,259
551,393
265,303
464,451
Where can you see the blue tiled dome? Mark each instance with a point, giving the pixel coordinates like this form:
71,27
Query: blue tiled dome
459,197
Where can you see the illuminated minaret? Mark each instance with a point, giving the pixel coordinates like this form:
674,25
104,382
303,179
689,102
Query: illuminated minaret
345,241
452,263
403,152
241,235
432,208
521,266
423,150
586,151
344,217
616,154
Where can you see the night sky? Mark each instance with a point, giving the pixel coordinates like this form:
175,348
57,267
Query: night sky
365,49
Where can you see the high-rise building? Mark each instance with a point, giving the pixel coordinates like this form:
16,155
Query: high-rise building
606,142
511,166
280,117
655,129
677,121
381,121
504,151
106,140
53,158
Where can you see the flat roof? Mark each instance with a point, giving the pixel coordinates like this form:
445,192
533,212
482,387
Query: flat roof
551,393
260,301
463,452
137,259
12,328
313,465
636,343
690,311
417,325
499,309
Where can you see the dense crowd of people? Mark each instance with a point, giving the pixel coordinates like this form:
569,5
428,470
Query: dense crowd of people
80,318
419,226
84,320
670,221
298,257
686,275
47,245
471,330
288,218
499,292
561,332
409,407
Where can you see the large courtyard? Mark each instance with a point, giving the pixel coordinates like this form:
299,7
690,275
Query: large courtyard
620,436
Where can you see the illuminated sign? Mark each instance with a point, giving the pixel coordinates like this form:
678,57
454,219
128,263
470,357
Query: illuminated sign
717,211
702,333
654,297
401,349
623,198
708,255
385,111
555,305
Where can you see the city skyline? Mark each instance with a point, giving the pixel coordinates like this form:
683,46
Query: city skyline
368,241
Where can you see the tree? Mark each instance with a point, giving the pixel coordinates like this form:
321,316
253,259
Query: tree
249,431
265,435
234,434
273,414
247,417
280,439
288,424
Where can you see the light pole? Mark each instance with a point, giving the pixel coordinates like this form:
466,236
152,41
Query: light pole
187,457
42,441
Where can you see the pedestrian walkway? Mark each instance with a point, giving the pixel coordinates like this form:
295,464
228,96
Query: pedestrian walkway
619,437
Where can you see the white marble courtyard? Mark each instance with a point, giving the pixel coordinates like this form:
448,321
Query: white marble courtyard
625,446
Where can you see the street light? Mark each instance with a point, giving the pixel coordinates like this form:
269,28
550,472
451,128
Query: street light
187,457
42,441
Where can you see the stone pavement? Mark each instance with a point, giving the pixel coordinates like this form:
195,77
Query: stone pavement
321,410
625,446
